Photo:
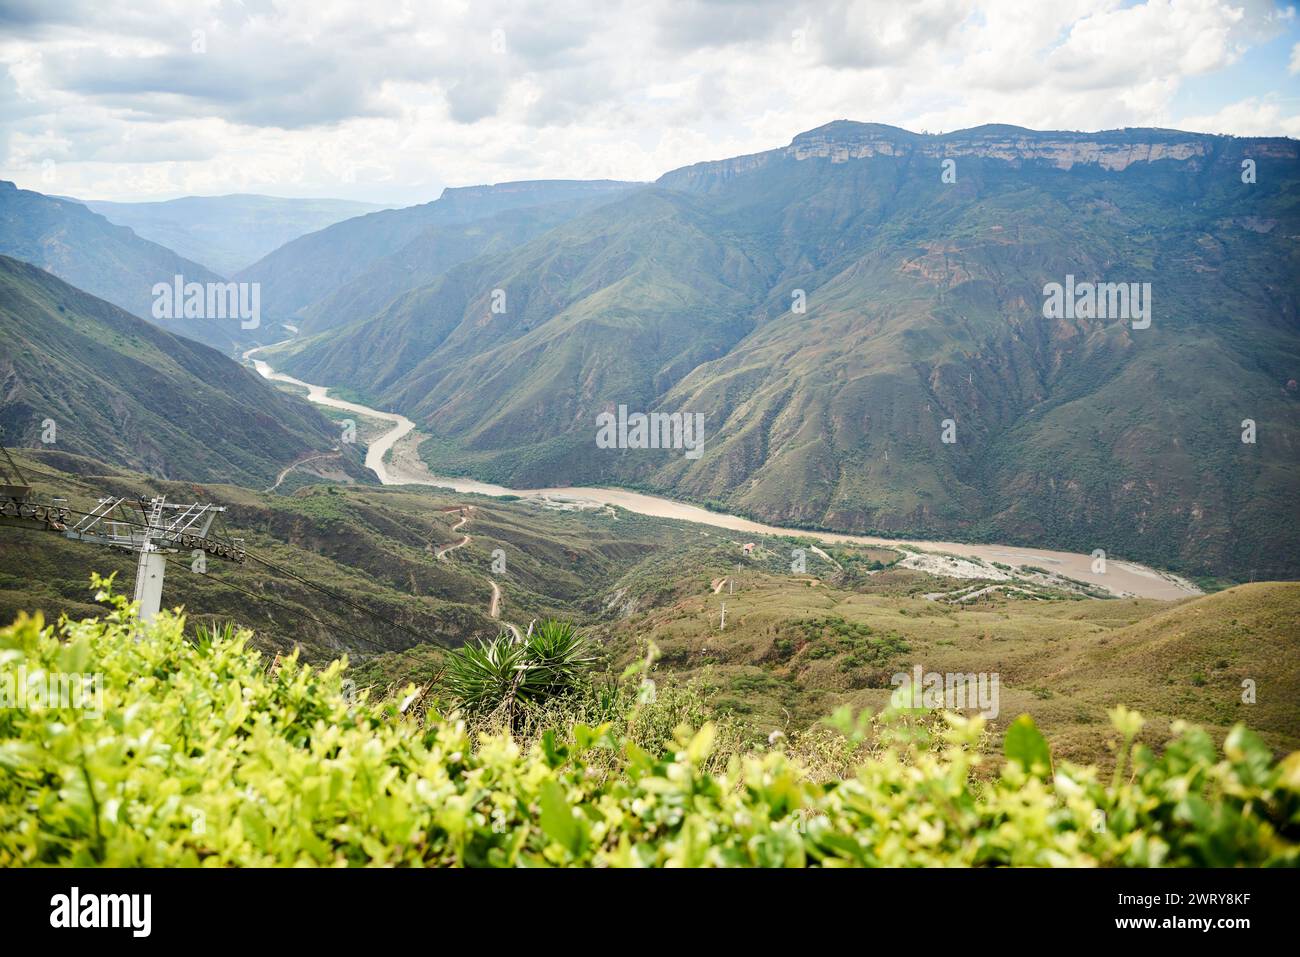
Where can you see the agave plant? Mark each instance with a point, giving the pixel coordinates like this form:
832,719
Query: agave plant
207,634
498,676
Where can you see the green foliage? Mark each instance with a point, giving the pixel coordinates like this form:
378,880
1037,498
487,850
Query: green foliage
1024,743
644,716
207,634
500,675
831,634
201,755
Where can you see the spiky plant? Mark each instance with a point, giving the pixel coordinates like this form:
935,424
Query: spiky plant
206,634
498,676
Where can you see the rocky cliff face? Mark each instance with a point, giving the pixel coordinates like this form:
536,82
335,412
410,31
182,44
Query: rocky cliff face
476,201
844,141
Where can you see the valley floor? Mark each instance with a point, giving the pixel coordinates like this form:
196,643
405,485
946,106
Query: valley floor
1119,578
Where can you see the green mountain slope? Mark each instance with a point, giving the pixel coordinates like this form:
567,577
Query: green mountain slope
227,233
124,391
108,261
1083,433
429,255
924,304
791,653
1215,660
603,305
311,267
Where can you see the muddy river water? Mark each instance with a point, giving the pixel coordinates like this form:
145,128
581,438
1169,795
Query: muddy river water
1120,577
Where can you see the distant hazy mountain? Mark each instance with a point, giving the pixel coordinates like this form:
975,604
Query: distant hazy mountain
432,253
924,310
424,239
227,233
117,388
108,261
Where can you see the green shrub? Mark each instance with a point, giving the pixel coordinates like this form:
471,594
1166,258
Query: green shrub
643,715
504,674
202,755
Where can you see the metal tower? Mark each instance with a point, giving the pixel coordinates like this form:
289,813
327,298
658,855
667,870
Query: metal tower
152,528
162,528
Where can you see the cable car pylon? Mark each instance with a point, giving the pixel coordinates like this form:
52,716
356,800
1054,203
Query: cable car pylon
164,528
158,529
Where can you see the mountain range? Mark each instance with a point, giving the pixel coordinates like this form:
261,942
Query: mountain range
227,233
347,272
862,318
921,263
111,262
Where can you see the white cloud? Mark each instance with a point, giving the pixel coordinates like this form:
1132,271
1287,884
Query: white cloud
391,99
1250,117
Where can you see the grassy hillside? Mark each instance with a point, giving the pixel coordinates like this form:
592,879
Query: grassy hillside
1190,662
374,546
793,651
120,389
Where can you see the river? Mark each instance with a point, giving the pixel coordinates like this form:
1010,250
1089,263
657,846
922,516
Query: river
1120,577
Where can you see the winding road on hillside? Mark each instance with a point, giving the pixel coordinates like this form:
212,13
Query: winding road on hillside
441,553
1120,578
494,605
285,472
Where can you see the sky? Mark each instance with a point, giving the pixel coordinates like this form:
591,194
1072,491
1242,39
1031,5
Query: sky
388,101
